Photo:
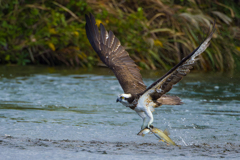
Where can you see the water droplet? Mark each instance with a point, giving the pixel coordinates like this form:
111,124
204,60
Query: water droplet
216,87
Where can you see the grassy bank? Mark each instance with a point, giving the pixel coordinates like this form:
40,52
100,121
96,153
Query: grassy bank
156,33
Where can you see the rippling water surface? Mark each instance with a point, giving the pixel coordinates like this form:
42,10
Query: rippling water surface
57,113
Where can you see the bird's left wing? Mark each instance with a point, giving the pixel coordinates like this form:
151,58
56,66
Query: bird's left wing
110,51
166,82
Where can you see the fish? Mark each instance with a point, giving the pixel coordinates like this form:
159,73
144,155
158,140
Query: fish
161,135
144,132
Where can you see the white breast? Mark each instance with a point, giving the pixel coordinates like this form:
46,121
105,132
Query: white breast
143,103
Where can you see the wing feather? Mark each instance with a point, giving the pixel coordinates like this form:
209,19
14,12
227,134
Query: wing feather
111,39
110,51
166,82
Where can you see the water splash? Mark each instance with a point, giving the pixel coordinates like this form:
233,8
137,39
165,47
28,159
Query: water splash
184,141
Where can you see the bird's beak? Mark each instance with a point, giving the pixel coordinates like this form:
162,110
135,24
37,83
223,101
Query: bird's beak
118,100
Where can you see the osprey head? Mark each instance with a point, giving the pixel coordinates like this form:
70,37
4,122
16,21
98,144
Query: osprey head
125,99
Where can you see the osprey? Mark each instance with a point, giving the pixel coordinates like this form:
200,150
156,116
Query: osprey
136,95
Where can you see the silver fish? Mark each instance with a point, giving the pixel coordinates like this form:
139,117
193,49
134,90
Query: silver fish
161,135
144,132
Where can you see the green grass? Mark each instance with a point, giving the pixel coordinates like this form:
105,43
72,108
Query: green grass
156,33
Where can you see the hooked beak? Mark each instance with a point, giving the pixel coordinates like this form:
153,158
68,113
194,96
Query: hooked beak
118,100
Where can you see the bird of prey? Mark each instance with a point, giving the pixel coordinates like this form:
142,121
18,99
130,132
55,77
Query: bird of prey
136,95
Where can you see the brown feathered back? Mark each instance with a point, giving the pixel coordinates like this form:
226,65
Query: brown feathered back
169,100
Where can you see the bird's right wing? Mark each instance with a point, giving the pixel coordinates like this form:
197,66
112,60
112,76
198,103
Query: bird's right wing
166,82
110,51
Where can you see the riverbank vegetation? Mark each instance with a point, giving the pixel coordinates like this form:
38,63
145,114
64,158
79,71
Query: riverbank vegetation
156,33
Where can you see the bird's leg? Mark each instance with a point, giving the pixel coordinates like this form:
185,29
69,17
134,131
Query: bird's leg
144,117
144,123
150,116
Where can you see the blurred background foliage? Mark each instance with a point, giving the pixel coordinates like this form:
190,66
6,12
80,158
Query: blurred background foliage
156,33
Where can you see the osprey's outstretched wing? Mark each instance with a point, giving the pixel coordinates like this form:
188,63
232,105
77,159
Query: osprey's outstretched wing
110,51
166,82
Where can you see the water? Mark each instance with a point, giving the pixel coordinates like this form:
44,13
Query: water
57,113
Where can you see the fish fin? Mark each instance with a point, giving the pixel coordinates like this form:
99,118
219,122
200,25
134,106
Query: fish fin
143,135
166,131
161,140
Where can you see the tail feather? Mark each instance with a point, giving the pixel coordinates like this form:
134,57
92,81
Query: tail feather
169,100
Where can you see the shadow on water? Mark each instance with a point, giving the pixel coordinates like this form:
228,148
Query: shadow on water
59,113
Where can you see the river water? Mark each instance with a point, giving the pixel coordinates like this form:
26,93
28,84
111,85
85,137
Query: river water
59,113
